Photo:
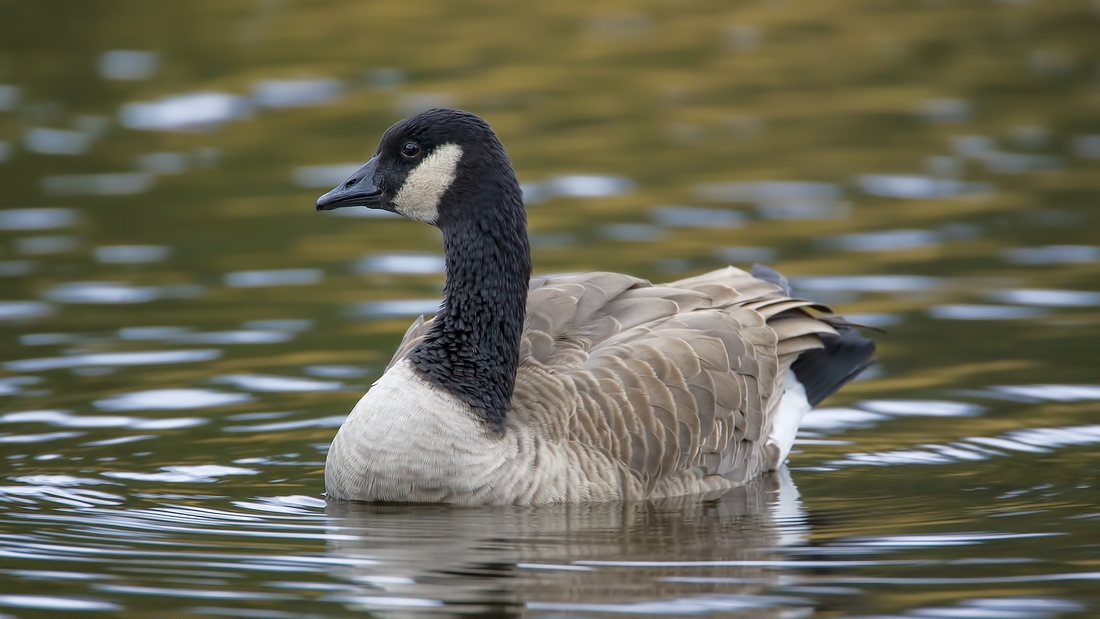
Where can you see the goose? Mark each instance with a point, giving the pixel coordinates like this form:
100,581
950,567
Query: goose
580,388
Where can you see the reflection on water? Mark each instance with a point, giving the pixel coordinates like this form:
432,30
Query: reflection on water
983,312
128,65
36,218
282,277
406,264
131,254
751,549
186,111
1053,254
181,335
552,559
170,399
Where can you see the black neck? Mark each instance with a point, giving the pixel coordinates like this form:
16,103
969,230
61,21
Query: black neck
472,348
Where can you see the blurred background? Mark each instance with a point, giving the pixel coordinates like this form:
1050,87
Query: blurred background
179,330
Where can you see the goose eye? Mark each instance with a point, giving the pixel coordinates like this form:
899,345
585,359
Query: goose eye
410,150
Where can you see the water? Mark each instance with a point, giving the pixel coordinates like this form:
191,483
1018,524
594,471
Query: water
181,335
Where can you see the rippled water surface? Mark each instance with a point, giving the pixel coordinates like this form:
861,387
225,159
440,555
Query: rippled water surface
181,335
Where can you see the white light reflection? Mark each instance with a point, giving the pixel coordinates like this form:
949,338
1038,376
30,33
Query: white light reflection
696,217
323,176
588,186
254,382
1052,254
113,359
403,264
866,283
205,473
65,419
36,218
57,602
1053,393
108,293
926,408
887,240
185,111
917,187
281,277
22,310
1050,298
395,309
46,141
128,65
131,254
296,93
703,604
1031,440
984,312
171,399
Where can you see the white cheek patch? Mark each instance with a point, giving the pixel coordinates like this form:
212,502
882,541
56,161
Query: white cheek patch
419,197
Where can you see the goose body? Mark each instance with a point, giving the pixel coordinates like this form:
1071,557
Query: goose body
576,388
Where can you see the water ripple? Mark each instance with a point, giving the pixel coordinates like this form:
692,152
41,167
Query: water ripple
22,310
37,218
171,399
131,254
109,293
1053,298
1051,393
704,604
256,382
38,438
56,602
280,277
1031,440
395,309
917,187
113,359
184,474
403,264
296,93
184,111
65,419
984,312
73,497
323,422
930,408
198,594
943,539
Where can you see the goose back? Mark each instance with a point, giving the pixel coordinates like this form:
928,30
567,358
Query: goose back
679,382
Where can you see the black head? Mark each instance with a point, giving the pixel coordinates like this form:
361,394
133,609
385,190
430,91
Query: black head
422,163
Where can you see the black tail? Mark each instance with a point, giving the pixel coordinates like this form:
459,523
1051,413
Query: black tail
825,370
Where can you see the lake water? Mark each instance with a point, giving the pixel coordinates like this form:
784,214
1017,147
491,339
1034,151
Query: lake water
181,335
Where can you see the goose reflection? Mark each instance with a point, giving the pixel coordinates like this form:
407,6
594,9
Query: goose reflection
693,555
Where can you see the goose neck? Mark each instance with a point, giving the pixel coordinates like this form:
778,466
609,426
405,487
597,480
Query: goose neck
472,348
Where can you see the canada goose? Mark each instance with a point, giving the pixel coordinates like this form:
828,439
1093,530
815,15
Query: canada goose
573,388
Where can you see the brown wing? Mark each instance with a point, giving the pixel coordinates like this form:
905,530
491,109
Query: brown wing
662,378
416,332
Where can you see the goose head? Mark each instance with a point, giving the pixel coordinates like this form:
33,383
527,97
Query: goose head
447,168
431,167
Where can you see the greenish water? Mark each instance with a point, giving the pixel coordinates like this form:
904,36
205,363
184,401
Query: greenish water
181,335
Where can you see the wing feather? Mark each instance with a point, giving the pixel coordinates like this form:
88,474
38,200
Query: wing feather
663,378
